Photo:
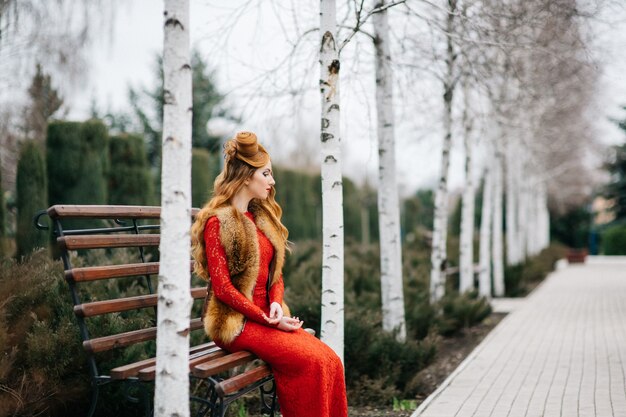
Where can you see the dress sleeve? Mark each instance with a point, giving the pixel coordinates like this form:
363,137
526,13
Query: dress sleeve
222,286
277,291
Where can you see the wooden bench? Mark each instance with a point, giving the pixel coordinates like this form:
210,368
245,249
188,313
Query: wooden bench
217,377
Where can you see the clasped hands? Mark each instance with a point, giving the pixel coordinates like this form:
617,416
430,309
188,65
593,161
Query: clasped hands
282,322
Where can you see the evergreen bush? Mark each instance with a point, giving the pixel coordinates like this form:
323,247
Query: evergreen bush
32,196
77,162
204,168
460,311
130,181
42,364
614,240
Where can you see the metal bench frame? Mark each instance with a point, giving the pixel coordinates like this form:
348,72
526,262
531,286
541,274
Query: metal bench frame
207,361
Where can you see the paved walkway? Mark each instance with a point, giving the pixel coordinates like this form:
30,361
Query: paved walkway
561,353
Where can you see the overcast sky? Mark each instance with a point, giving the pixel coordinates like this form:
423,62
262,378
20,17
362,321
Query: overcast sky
126,59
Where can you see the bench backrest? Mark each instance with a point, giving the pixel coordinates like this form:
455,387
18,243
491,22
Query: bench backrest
133,230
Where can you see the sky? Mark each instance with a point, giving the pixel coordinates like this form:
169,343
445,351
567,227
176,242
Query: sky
290,125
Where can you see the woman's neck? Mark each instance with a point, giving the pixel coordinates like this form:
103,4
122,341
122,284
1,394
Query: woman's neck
240,201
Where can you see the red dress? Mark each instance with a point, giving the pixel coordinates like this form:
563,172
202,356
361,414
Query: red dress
309,375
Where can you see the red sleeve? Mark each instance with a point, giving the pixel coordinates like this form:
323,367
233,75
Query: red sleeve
222,286
277,291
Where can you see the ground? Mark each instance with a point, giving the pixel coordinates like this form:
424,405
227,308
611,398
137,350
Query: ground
450,353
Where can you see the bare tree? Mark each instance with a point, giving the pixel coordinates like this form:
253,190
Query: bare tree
174,305
388,202
332,327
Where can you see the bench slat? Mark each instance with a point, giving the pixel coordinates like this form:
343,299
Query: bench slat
237,382
106,212
107,241
205,370
149,373
124,304
94,273
125,371
102,344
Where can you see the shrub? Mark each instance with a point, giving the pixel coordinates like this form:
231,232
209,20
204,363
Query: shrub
460,311
31,197
130,180
204,169
378,367
42,365
614,240
521,278
78,162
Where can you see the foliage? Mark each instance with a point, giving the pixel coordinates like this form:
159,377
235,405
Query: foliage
45,102
130,181
32,196
462,311
521,278
616,165
42,365
204,168
614,240
205,99
377,366
418,212
78,162
572,227
299,193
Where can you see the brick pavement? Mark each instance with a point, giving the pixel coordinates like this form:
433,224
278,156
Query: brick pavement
562,353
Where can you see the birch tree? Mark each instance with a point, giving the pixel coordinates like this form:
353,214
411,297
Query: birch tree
174,304
486,219
388,202
332,326
497,223
440,226
466,281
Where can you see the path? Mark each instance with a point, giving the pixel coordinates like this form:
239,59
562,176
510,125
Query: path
561,353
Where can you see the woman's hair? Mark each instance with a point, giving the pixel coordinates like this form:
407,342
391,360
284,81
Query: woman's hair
243,155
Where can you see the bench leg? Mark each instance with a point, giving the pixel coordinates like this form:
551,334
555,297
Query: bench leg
271,407
95,388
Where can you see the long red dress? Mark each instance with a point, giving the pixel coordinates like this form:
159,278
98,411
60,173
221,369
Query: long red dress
309,375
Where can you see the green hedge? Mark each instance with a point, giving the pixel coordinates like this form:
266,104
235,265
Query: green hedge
78,162
31,197
130,181
204,168
614,240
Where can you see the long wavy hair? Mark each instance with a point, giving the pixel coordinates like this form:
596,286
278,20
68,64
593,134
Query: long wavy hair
243,155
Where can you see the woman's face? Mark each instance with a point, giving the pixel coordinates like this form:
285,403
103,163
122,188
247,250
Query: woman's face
261,182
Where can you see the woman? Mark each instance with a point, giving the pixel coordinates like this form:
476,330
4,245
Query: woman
239,245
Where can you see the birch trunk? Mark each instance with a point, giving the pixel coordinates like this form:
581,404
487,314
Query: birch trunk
498,262
512,235
440,227
486,219
388,202
332,189
171,397
467,205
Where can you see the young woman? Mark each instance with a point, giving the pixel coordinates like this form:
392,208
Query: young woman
239,246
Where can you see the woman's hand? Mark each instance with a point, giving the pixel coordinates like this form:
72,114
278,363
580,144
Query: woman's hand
289,324
276,311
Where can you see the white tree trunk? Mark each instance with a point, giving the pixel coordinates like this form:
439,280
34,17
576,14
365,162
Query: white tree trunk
388,202
466,261
171,397
486,220
332,189
498,262
438,257
512,235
